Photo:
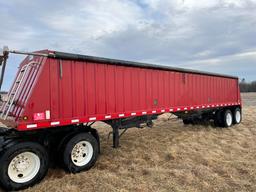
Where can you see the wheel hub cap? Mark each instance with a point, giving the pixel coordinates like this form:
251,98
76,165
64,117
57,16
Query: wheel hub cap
82,153
229,119
24,167
238,116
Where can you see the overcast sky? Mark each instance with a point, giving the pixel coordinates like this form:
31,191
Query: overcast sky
213,35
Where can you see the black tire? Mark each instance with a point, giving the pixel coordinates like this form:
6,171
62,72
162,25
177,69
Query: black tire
91,142
237,119
187,121
227,118
218,119
8,154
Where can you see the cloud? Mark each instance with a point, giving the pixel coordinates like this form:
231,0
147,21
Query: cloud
213,35
241,64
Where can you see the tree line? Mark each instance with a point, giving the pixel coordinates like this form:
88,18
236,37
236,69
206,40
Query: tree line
247,86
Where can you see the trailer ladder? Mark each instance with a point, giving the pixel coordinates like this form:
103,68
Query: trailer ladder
17,88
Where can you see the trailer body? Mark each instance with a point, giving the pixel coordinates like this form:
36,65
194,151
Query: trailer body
65,89
56,97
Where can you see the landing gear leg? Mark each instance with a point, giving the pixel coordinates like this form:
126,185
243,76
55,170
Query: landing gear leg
115,135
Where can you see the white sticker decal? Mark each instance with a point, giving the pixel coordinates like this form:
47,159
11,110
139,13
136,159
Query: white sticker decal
47,114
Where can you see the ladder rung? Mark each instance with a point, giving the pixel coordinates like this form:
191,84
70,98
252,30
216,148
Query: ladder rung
19,79
7,108
23,68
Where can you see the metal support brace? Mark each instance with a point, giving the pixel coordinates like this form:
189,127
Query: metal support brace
3,60
115,136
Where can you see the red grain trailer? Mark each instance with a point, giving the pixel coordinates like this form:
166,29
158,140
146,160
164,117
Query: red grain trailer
57,96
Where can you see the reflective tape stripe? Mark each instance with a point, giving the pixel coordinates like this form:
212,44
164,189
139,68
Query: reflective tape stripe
55,123
109,116
32,126
75,121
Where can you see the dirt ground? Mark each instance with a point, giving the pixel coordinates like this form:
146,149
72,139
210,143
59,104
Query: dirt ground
170,157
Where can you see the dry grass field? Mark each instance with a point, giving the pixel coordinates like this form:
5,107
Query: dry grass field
170,157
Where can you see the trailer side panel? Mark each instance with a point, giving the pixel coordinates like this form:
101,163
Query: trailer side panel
82,91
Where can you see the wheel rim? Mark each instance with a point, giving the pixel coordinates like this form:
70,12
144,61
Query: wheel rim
82,153
229,119
24,167
238,116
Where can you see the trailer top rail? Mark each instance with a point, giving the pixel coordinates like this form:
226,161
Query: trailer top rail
71,56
